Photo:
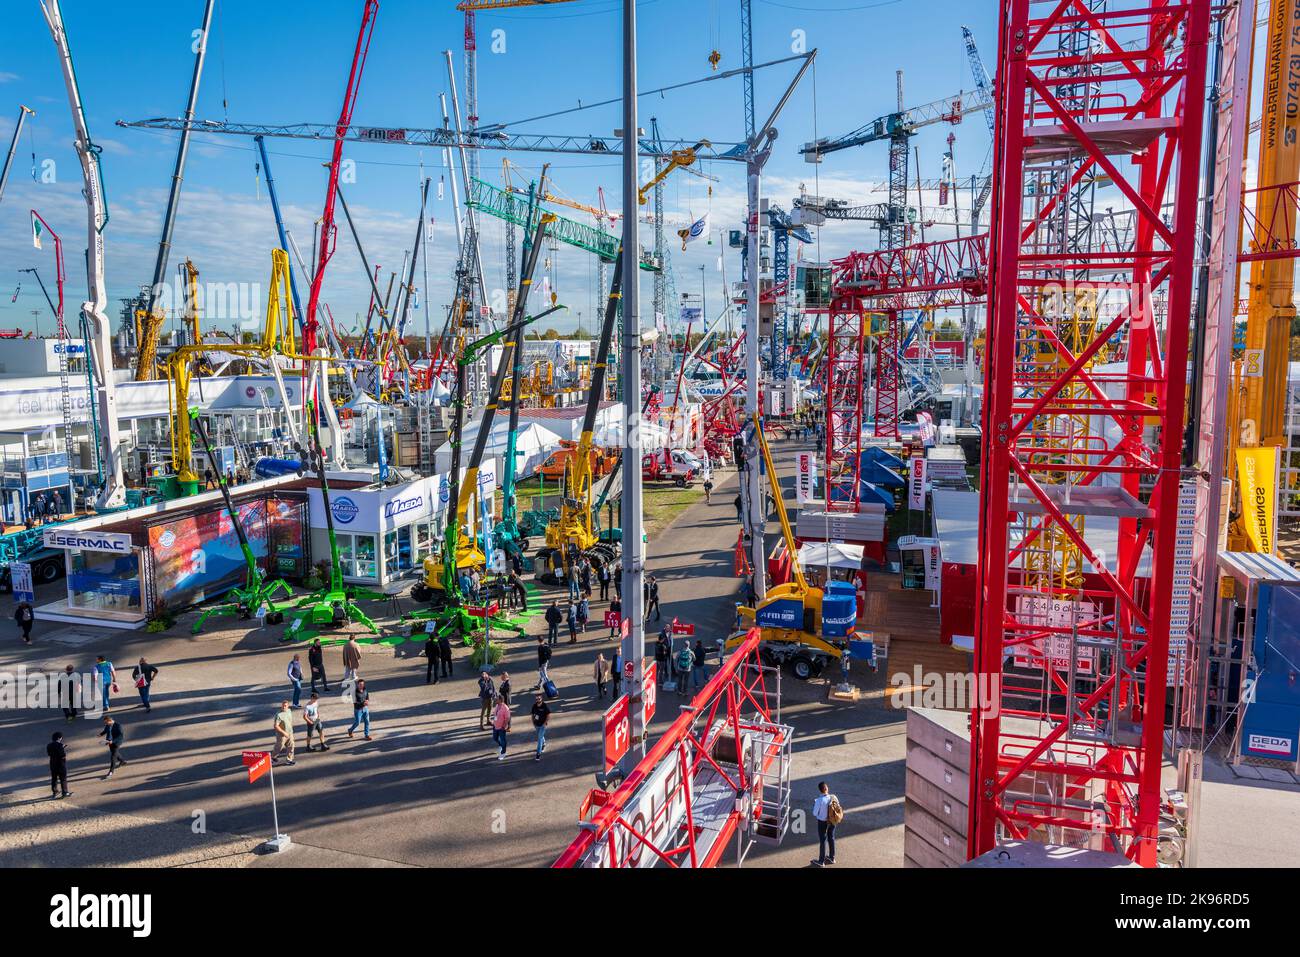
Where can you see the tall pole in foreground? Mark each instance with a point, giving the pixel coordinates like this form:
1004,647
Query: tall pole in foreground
632,649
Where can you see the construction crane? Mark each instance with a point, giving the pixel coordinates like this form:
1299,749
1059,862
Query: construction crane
277,340
256,590
1270,311
99,346
23,113
783,226
985,86
150,324
898,128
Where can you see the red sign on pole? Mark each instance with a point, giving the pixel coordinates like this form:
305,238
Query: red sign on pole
478,611
258,763
648,688
611,619
682,628
627,627
618,731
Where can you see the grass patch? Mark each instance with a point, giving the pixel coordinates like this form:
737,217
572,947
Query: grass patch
663,504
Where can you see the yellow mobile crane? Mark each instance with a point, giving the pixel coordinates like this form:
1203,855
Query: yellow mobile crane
277,338
1261,398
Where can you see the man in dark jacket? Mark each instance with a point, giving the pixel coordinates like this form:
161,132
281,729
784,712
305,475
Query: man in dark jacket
541,713
113,736
434,655
652,599
553,618
316,661
58,753
543,660
661,659
486,693
142,676
444,654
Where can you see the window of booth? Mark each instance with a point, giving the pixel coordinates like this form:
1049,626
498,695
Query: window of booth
398,558
357,556
104,581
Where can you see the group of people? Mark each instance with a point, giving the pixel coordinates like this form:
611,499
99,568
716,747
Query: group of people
233,477
43,509
494,711
70,695
313,724
686,665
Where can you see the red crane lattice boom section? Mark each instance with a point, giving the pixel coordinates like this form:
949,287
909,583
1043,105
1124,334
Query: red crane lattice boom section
1062,756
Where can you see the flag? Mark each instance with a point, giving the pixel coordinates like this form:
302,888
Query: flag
695,230
37,229
16,292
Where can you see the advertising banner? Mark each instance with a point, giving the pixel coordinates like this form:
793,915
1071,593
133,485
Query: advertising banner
199,556
805,476
1257,474
916,485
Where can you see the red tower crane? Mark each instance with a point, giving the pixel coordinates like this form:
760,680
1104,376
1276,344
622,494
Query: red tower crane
1069,751
328,232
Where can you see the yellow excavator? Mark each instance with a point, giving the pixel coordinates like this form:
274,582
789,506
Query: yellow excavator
806,626
1261,376
277,338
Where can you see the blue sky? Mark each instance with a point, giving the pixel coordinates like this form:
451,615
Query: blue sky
288,62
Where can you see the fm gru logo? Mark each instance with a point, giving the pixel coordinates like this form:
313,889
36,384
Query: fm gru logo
75,910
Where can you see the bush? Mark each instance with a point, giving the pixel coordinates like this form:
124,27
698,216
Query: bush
495,653
156,625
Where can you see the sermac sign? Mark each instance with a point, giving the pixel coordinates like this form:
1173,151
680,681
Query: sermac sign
88,541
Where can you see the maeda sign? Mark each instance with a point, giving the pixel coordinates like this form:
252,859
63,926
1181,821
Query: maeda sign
118,543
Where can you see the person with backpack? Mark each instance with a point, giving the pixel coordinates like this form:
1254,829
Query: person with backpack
143,676
541,713
487,694
500,726
685,661
553,619
543,662
828,813
24,615
661,660
571,619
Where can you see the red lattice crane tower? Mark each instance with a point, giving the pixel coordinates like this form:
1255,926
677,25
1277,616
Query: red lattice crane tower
1069,750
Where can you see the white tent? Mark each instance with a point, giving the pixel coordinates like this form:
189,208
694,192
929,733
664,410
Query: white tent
532,446
821,554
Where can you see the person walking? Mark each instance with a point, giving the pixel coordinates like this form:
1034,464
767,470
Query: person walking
207,478
574,583
828,813
616,609
107,677
40,508
282,725
708,490
602,578
503,688
685,662
433,657
571,619
294,671
24,615
740,509
69,692
444,654
316,662
661,659
311,717
585,572
601,674
500,725
143,675
553,619
543,662
58,754
113,736
700,673
652,599
541,712
360,709
57,502
584,615
351,660
487,694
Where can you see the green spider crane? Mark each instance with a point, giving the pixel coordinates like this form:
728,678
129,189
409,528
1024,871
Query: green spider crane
335,604
256,590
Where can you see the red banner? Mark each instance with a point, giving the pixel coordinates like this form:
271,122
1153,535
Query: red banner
258,763
618,731
649,687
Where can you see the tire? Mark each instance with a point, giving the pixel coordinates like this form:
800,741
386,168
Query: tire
801,666
679,481
420,592
276,618
48,571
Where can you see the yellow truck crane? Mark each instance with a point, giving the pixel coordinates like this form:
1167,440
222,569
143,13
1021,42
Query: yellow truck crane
1261,399
805,626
